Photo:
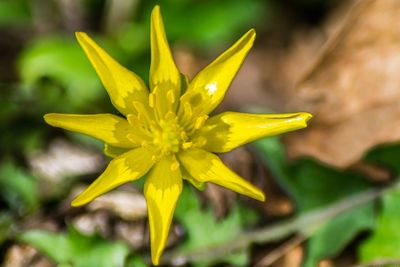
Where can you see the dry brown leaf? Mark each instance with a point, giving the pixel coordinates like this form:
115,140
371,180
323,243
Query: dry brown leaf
128,205
125,202
352,85
25,256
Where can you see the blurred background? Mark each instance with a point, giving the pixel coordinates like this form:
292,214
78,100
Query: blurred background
332,189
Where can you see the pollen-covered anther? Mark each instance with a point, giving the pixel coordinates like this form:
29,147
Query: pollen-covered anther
187,145
152,100
168,136
200,142
171,96
200,122
184,136
175,166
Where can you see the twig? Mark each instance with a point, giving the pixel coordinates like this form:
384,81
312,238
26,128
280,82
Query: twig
381,263
305,224
277,253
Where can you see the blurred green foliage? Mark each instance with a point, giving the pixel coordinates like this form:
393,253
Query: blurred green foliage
385,242
43,70
69,75
203,229
14,12
207,24
314,186
20,192
75,249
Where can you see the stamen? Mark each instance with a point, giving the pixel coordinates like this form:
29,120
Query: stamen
185,115
170,115
187,145
152,100
188,110
171,96
145,144
200,122
201,141
184,136
175,166
143,114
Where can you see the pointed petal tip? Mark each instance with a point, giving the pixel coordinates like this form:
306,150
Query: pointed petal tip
77,34
81,200
305,117
156,8
80,35
252,32
249,36
78,202
50,118
47,116
257,194
155,258
260,196
155,12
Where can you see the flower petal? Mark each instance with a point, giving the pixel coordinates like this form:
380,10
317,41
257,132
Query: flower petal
186,176
229,130
127,167
122,85
163,69
209,86
162,189
207,167
165,79
106,127
113,151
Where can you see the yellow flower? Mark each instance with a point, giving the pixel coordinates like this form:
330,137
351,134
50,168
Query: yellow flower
166,131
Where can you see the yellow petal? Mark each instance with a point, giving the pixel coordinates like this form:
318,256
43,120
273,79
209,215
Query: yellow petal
199,185
229,130
122,85
209,86
163,70
165,79
106,127
207,167
113,151
162,189
127,167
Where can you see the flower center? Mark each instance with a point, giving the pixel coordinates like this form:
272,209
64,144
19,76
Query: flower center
168,136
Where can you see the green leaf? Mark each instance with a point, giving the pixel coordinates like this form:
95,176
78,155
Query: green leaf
75,249
70,77
387,156
6,222
219,21
332,237
311,184
314,186
14,12
18,188
204,231
136,261
385,241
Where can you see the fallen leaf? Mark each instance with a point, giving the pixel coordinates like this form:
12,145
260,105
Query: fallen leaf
128,205
24,256
350,85
64,159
